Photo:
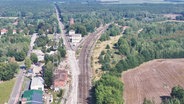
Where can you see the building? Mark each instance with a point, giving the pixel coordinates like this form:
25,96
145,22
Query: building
71,32
14,31
72,21
74,38
3,31
32,97
60,79
37,83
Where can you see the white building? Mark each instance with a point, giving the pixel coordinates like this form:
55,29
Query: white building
71,32
37,83
75,38
14,31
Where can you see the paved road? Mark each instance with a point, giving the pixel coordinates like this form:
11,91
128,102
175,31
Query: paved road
33,38
14,98
63,35
72,99
70,96
17,88
84,84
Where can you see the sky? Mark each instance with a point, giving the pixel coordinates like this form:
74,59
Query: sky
139,1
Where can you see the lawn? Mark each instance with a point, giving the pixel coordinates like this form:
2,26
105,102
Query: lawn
50,36
5,90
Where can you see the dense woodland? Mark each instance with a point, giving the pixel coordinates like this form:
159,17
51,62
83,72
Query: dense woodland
157,40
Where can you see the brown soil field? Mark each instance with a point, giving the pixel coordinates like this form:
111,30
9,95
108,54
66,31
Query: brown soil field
152,80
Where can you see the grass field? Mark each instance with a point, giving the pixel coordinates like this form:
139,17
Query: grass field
50,36
100,46
5,90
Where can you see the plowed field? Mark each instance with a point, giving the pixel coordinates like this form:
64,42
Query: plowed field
153,80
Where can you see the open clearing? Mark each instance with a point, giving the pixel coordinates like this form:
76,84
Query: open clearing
172,16
99,47
5,90
153,80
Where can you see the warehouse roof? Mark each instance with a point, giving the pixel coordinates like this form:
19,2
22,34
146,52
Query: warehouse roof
32,97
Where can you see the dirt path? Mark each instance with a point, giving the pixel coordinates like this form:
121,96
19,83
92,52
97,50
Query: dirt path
153,80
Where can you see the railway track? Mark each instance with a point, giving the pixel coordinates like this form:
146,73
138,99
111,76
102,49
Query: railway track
84,78
84,84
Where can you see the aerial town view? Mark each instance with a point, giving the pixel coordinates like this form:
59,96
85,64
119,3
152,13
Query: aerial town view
91,51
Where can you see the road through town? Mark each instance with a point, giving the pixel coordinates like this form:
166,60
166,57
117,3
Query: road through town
70,96
72,99
14,97
17,88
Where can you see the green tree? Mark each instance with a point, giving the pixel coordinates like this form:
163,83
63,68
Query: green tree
62,51
27,62
19,56
107,47
108,90
48,77
34,58
49,66
7,70
81,29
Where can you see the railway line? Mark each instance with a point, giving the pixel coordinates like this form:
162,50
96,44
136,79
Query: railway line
81,83
84,84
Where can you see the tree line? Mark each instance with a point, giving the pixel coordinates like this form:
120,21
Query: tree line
176,97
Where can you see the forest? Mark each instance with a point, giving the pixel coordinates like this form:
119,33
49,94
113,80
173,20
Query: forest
155,41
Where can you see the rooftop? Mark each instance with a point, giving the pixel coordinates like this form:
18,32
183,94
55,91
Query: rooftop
4,30
60,75
32,97
37,81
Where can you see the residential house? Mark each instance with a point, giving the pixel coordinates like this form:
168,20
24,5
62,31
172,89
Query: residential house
71,32
60,79
32,97
14,31
4,31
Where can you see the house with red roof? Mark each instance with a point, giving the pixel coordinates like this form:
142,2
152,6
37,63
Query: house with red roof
4,31
60,79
